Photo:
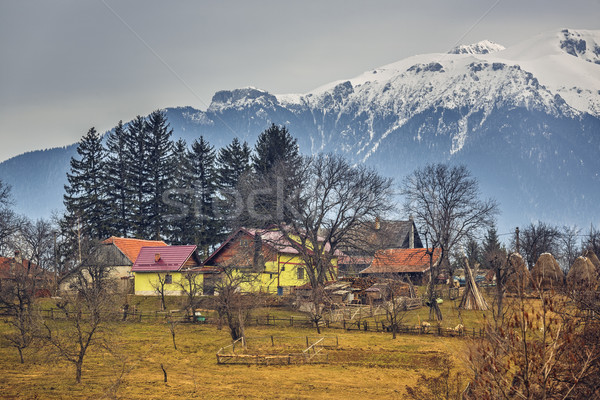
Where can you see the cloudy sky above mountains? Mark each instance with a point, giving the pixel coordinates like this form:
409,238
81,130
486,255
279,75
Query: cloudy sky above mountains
69,65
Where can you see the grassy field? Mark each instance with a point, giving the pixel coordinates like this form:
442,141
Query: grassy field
366,364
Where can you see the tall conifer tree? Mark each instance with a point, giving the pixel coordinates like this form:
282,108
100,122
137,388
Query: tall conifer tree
84,194
233,162
181,214
159,165
118,186
233,165
276,162
203,183
274,145
137,154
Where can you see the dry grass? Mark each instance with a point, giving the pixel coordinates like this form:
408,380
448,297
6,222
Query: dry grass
365,365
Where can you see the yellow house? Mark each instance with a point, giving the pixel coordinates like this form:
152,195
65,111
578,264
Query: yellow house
266,259
166,268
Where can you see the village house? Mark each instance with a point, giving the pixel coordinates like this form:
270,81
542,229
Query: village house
267,257
381,234
117,255
166,265
16,268
409,264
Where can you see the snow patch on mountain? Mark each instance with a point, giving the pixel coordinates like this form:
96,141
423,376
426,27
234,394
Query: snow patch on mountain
483,47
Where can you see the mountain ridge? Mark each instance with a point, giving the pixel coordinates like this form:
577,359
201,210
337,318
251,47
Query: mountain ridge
537,104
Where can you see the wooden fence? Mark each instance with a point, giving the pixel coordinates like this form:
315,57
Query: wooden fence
242,352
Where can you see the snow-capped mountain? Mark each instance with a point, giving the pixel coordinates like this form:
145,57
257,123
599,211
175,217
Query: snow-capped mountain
525,119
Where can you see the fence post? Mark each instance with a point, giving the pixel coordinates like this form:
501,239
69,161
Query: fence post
344,322
291,321
307,341
272,342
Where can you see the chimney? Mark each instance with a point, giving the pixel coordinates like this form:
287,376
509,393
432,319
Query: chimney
18,257
411,239
156,257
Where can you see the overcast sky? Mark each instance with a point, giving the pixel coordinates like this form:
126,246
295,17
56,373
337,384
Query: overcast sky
69,65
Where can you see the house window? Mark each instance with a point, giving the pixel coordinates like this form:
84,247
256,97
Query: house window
300,273
168,279
270,276
244,243
282,269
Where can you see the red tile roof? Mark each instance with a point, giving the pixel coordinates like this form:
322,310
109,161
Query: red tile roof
160,258
401,260
131,247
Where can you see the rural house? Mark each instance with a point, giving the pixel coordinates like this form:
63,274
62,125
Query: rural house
381,234
18,268
165,265
117,255
409,264
266,256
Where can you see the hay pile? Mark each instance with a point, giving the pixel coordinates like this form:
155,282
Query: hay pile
518,279
590,255
582,274
546,273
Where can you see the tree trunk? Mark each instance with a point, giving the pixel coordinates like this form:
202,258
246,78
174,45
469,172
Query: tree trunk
78,366
21,355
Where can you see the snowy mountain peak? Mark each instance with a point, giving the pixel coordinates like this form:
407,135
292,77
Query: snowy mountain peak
582,44
240,98
483,47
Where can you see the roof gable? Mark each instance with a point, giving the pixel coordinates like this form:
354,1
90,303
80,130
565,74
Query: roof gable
165,258
131,247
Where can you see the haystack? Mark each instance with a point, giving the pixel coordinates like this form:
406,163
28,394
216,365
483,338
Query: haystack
582,274
518,278
546,273
472,298
590,255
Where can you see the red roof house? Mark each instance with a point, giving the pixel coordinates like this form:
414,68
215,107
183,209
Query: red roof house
168,267
407,263
166,258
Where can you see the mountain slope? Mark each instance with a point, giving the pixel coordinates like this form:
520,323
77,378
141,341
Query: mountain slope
524,119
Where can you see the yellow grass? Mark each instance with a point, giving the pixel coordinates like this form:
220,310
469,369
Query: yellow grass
365,365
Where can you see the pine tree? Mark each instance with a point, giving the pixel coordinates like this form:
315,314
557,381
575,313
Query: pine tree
137,155
277,163
118,187
203,183
233,162
159,166
492,249
83,197
233,165
274,145
181,216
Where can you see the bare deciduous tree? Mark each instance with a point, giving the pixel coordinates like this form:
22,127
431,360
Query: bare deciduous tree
162,280
536,239
85,307
445,202
233,305
191,288
335,200
17,296
569,248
